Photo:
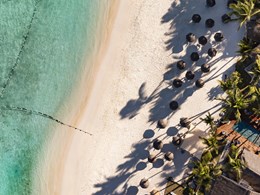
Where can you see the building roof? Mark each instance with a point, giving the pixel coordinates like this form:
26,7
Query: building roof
252,161
226,186
252,172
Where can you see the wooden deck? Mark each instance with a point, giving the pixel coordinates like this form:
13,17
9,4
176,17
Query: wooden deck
233,135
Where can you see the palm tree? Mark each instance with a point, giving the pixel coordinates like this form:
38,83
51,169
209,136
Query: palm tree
234,151
231,82
245,48
234,165
189,191
244,10
206,157
203,174
256,105
236,101
256,110
209,120
256,71
211,143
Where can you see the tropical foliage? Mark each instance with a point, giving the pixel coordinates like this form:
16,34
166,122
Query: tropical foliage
203,172
235,165
230,82
211,143
246,48
237,100
244,10
256,71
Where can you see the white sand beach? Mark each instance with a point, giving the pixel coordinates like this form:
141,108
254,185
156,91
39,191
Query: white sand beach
132,90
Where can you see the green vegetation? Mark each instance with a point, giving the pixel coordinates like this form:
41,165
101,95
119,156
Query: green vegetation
209,120
238,100
234,165
211,143
242,93
244,10
246,48
203,173
207,169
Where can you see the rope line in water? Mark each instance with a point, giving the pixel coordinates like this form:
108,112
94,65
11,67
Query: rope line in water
11,73
33,112
25,37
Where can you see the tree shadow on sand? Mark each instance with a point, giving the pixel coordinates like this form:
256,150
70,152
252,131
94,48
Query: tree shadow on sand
136,162
179,16
125,171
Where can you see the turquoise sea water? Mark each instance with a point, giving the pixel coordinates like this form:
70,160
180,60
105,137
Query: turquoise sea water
47,55
248,132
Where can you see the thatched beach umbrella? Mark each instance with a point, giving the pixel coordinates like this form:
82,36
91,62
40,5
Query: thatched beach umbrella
168,156
177,83
212,52
218,37
196,18
205,68
162,123
151,158
185,122
181,64
200,83
144,183
157,144
194,56
190,37
203,40
211,3
210,23
174,105
176,140
225,18
190,75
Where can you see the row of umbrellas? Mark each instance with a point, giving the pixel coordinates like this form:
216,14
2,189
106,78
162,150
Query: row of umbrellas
190,37
177,83
209,23
158,145
184,122
189,75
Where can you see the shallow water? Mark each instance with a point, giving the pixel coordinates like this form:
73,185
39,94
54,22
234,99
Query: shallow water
46,53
